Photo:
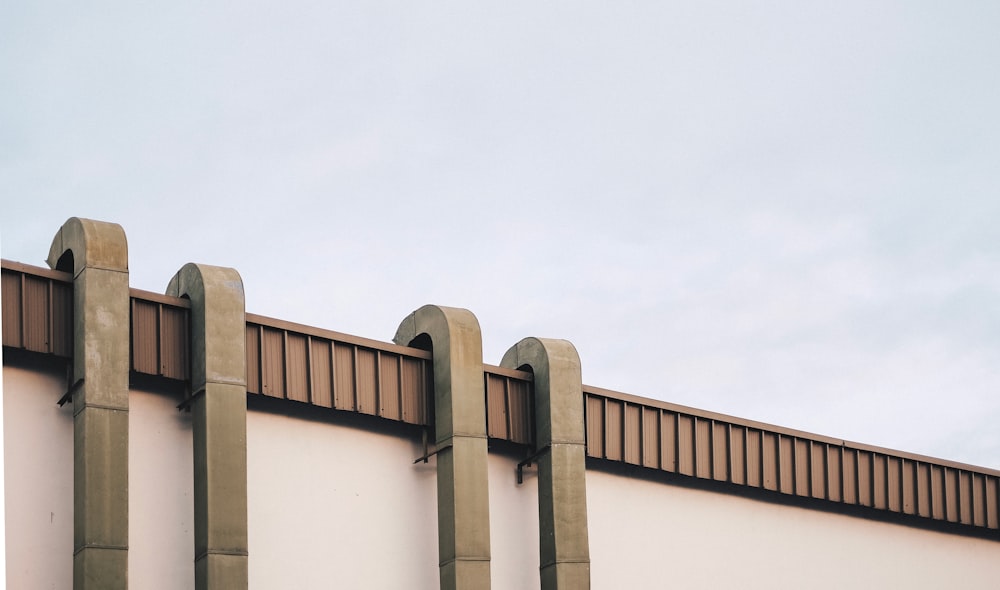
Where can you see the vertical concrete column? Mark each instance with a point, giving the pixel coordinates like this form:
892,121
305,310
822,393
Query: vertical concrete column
564,548
96,253
219,423
460,437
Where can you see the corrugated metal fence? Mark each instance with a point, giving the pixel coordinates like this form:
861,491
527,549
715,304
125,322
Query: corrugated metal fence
334,370
710,446
510,405
159,332
37,309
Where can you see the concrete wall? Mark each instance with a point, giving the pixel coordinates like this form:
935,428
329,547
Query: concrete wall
161,506
335,506
646,534
38,473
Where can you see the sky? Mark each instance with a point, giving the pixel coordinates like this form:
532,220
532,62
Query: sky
783,211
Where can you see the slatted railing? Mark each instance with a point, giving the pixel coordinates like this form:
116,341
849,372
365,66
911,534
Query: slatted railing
510,405
37,309
705,445
159,331
334,370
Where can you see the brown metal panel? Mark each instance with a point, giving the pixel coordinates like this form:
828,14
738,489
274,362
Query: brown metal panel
37,309
342,371
811,465
769,447
879,487
893,484
786,465
12,314
343,376
720,451
415,395
992,506
965,497
253,358
865,479
272,360
951,500
520,411
703,448
834,471
817,470
496,407
754,468
978,500
923,489
595,426
651,447
850,476
159,337
388,397
633,434
685,444
613,423
738,455
297,367
939,509
145,337
800,458
668,441
367,380
908,479
337,336
174,343
61,323
320,371
36,314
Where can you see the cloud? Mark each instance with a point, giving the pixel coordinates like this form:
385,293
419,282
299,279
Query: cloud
784,212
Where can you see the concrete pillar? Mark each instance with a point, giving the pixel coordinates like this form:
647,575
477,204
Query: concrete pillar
564,548
219,423
460,438
96,253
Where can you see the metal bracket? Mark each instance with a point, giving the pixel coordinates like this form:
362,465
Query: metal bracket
428,454
186,404
531,459
69,394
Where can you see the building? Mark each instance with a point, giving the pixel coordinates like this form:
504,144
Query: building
174,441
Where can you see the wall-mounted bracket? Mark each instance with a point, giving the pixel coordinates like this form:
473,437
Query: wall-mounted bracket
185,406
69,394
427,456
527,462
428,453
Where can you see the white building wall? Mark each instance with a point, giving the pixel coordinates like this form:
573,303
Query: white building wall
38,474
335,506
161,487
646,534
513,526
331,504
38,465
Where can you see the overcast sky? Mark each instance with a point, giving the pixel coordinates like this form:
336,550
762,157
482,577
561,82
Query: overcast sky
785,211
